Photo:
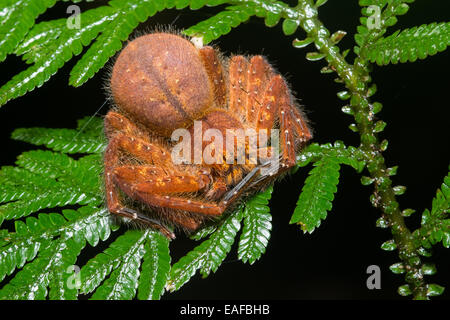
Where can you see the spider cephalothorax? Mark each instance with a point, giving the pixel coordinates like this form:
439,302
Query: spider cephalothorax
160,83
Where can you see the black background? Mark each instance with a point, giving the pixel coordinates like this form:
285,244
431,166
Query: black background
330,263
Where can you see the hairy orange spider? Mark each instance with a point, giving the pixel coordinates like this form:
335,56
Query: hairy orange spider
162,82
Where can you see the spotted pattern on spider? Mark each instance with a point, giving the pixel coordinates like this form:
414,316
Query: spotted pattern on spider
161,82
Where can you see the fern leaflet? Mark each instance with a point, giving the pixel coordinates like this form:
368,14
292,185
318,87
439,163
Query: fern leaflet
129,15
435,222
410,44
221,23
257,226
317,194
89,140
209,255
19,17
155,268
122,260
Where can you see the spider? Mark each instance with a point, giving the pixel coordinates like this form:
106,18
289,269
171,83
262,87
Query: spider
161,82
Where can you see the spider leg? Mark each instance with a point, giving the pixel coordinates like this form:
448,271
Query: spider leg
253,178
155,188
112,196
218,189
174,202
143,150
116,122
278,105
241,186
238,83
259,73
139,148
215,72
150,179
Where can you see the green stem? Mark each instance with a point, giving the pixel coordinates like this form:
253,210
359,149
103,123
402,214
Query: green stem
356,78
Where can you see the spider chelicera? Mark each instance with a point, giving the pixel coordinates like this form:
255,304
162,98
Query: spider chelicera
161,82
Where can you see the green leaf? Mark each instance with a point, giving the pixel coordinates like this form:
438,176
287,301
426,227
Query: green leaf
17,18
204,232
257,226
155,268
290,26
70,42
122,261
410,44
33,280
209,255
65,140
435,290
315,56
317,194
222,23
397,268
404,290
302,43
350,156
389,245
272,19
46,180
45,247
435,225
129,14
87,223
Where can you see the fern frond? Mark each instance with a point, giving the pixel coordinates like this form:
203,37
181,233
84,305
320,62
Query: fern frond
435,222
45,179
34,279
15,255
377,17
257,226
122,261
17,18
70,42
410,44
50,44
42,180
317,194
35,45
46,246
350,156
204,232
129,15
155,268
222,23
87,223
209,255
64,140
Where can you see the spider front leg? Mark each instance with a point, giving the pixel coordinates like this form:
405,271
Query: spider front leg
157,188
114,204
278,105
148,184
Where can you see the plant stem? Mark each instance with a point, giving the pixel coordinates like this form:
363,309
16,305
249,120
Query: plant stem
356,79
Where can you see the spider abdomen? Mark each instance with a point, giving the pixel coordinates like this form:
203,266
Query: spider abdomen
160,80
